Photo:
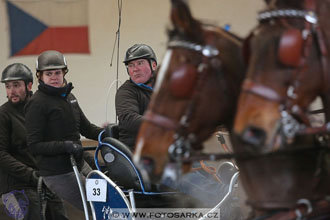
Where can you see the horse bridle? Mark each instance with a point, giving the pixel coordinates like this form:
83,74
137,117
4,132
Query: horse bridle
181,147
290,127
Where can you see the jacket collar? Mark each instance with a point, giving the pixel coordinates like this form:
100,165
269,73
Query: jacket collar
50,90
142,85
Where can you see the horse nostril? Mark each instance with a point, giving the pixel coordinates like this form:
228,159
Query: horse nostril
254,136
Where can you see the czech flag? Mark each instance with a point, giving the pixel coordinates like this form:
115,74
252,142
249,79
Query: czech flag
39,25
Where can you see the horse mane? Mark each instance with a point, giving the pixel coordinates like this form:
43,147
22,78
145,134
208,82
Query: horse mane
322,11
285,4
174,34
230,35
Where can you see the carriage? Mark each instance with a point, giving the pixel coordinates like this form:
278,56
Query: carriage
112,195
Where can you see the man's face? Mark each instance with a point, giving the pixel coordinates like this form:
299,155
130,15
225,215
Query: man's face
53,78
16,91
139,70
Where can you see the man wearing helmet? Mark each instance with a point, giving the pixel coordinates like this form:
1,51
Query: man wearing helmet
18,172
132,98
54,122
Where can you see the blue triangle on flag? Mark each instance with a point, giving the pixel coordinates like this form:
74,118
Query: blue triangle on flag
23,28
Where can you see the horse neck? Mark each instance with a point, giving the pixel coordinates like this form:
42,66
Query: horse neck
322,10
234,74
236,69
297,4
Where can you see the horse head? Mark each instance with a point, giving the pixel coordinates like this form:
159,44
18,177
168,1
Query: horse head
196,89
287,71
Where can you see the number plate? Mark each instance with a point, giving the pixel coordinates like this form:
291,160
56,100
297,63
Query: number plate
96,190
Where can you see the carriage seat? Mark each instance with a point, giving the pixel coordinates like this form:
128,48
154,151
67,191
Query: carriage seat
121,169
225,171
111,130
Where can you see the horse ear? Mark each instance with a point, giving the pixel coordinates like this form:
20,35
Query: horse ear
181,16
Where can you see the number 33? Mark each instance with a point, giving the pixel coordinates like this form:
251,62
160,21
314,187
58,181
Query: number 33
96,191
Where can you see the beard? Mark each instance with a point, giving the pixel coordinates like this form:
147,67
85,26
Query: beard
20,102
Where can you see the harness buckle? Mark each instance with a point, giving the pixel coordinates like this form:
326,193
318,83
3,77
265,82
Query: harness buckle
291,92
309,206
209,51
180,149
290,126
311,17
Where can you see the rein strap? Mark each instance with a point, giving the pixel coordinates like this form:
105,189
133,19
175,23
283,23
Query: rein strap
159,120
260,90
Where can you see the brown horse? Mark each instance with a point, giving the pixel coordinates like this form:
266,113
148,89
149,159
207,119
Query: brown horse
196,89
285,167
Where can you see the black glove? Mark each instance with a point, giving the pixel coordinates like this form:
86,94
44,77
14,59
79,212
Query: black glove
34,177
75,149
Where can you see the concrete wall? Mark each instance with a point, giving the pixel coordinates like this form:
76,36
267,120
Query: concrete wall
143,21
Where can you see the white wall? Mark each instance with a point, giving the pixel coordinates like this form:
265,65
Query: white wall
143,21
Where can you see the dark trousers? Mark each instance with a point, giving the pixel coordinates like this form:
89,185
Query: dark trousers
66,186
24,205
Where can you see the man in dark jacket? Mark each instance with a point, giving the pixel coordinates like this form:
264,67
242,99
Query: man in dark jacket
133,97
18,173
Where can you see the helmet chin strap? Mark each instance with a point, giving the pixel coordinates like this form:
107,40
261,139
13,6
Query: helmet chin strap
152,77
153,72
28,93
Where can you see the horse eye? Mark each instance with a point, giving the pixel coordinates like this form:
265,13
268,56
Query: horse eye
182,81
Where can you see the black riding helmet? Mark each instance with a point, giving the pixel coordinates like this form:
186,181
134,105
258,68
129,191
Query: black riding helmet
17,71
51,59
139,51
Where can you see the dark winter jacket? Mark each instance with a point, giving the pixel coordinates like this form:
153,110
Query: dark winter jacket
131,102
16,161
54,118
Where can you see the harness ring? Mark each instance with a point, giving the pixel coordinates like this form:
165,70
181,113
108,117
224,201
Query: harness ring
309,206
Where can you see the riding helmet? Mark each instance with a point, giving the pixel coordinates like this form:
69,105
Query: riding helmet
17,71
51,59
139,51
